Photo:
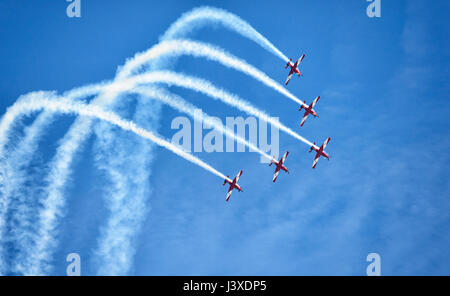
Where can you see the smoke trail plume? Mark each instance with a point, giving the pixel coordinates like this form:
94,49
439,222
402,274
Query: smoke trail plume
117,235
13,185
80,131
14,193
203,15
115,240
105,143
38,101
175,48
125,85
205,87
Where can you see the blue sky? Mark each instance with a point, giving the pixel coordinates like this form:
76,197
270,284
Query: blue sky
384,87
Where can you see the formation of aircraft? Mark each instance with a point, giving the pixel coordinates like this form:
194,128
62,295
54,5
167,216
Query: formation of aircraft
294,68
309,109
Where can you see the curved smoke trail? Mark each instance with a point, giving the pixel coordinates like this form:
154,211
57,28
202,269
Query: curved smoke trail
129,189
50,102
134,64
115,241
173,48
126,85
8,176
12,186
14,193
170,78
197,17
181,105
37,246
177,47
207,88
36,258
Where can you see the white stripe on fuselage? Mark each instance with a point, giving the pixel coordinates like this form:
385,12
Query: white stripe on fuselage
275,175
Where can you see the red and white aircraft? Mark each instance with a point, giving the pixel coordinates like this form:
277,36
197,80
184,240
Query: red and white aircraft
320,152
294,68
280,165
309,110
233,184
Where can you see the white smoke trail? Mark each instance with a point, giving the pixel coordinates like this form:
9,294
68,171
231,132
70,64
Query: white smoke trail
173,48
13,166
115,242
35,258
110,91
181,105
201,15
27,261
80,131
12,191
205,87
115,249
196,49
38,101
67,155
126,197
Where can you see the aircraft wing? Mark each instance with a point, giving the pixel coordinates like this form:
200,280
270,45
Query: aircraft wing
326,143
289,77
315,102
316,159
275,175
284,156
238,176
300,59
304,118
229,192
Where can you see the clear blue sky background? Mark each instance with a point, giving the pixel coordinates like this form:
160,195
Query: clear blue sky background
384,87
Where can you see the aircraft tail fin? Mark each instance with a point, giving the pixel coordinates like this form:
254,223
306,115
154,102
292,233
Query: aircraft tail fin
272,161
288,63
